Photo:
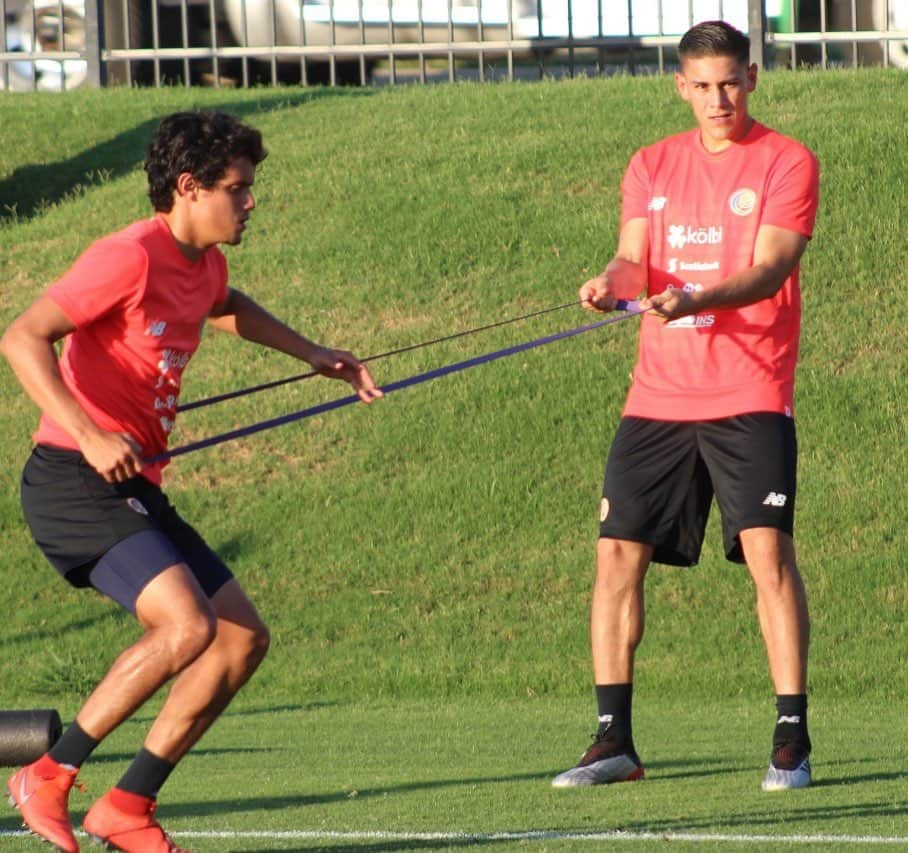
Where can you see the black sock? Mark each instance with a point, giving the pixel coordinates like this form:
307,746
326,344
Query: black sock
73,747
614,702
145,775
791,721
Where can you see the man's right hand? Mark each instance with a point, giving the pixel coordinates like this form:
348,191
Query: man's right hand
621,279
117,457
596,294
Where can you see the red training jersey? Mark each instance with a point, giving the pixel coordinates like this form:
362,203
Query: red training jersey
704,211
138,306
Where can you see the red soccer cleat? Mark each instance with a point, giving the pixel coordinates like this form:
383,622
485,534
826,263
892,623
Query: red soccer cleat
44,804
129,831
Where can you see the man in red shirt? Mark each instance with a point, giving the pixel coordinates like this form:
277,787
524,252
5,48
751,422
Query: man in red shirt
131,310
714,223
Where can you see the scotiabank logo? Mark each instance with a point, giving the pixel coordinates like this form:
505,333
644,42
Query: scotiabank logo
680,236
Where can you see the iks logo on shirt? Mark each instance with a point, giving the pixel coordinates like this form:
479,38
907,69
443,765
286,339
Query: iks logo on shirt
680,236
692,321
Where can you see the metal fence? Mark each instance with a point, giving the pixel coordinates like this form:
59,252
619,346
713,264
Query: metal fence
62,44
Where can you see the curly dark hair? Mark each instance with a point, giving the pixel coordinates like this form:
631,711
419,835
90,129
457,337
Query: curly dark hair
714,38
203,143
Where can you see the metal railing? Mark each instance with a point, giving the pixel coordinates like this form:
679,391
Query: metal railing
61,44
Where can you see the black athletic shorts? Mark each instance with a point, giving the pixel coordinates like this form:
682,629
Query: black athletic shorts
661,476
113,536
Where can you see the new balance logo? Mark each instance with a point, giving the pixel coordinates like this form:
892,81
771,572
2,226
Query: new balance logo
775,499
783,719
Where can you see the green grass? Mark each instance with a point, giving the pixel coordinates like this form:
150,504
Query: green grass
480,767
425,563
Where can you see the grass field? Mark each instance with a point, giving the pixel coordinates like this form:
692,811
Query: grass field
425,563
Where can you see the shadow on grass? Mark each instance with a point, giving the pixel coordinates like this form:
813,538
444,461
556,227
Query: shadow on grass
787,814
283,709
30,189
124,757
681,768
397,844
714,767
853,779
303,707
252,803
235,547
54,632
830,780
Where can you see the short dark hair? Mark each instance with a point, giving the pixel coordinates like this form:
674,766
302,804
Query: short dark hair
203,143
714,38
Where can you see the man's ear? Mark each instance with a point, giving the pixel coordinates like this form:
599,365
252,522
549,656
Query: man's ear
752,77
186,184
681,86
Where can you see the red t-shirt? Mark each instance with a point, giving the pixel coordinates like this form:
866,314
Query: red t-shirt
138,306
704,211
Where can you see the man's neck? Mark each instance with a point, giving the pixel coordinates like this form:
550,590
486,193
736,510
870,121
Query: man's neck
182,236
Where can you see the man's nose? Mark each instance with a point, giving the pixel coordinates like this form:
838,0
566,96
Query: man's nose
720,97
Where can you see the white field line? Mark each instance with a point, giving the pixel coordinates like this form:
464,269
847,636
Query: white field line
530,835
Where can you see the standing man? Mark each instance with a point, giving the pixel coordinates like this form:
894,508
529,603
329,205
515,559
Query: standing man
131,310
714,223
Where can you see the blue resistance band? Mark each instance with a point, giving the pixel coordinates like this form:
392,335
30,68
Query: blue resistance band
631,309
275,383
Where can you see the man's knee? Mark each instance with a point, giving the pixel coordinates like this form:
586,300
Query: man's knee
770,557
257,645
620,563
189,637
242,648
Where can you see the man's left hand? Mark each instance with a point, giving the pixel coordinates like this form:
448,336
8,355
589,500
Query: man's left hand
340,364
671,304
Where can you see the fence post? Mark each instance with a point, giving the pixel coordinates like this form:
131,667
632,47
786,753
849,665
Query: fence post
756,31
94,39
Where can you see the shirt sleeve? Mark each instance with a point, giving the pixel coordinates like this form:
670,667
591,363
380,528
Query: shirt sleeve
635,190
107,275
793,192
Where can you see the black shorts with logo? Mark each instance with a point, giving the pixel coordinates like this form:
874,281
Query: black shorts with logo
76,517
661,476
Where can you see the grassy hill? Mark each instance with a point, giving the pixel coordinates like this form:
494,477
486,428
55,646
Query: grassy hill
440,543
